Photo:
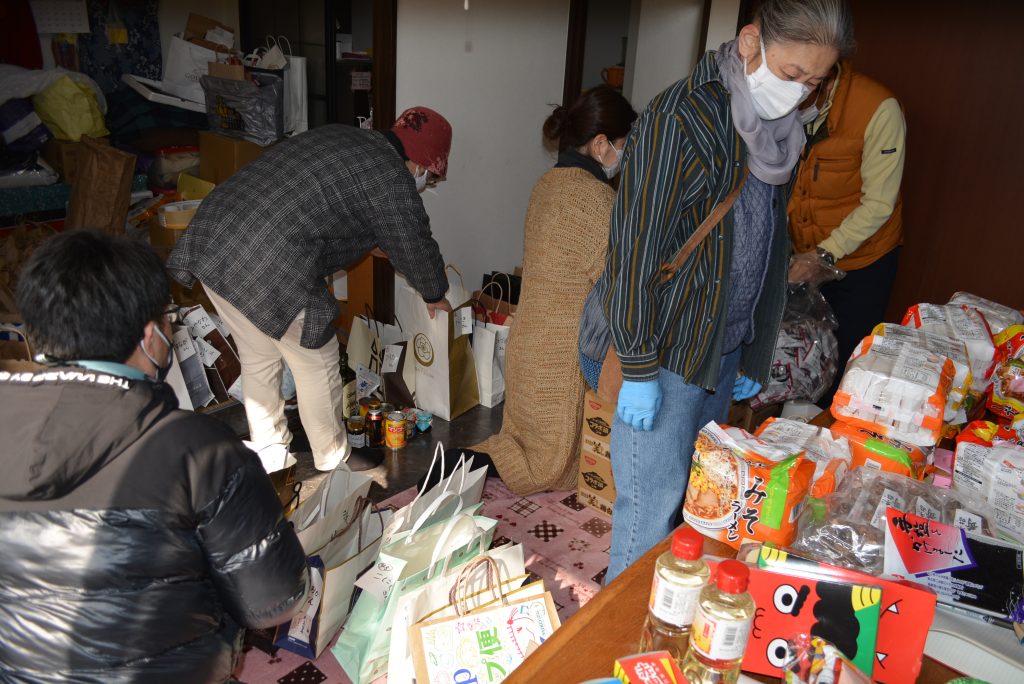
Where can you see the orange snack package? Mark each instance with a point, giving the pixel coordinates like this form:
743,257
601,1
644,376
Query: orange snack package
737,492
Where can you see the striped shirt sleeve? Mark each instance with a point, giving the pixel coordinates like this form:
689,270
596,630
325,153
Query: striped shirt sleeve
656,171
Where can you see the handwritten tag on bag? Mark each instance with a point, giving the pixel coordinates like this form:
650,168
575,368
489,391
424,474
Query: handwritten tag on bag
392,355
463,321
380,580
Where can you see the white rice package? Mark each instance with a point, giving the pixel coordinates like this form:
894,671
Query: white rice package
943,345
965,324
999,316
895,388
830,454
996,474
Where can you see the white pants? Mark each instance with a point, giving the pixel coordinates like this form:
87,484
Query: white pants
317,383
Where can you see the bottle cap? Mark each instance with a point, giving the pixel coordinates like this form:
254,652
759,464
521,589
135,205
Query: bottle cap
732,577
687,543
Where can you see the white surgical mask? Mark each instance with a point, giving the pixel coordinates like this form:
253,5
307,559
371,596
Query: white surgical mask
773,97
612,169
161,369
421,181
809,115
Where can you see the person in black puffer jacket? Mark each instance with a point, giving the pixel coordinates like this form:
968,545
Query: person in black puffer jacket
136,540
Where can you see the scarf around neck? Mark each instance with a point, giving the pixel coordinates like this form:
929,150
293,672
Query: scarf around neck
773,147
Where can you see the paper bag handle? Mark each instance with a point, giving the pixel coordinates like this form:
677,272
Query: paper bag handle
458,595
501,294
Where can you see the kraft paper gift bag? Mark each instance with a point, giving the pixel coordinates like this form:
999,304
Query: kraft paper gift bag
445,370
485,644
433,601
333,573
414,559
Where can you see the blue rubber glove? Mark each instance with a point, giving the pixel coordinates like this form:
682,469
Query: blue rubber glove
744,388
639,403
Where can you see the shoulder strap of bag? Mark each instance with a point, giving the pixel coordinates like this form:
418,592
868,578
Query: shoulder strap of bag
669,270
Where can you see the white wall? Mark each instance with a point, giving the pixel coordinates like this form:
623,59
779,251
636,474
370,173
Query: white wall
492,72
607,24
722,24
667,38
173,14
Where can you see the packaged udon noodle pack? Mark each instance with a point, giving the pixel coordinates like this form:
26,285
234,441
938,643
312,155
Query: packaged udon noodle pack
966,324
741,488
998,316
895,388
943,345
996,474
871,450
830,454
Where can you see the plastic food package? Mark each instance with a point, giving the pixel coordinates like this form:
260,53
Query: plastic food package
830,454
812,660
998,316
1007,398
742,488
895,388
806,352
965,324
872,450
996,474
171,162
987,433
848,529
943,345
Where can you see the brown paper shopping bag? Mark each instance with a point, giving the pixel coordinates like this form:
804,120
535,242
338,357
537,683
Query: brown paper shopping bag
102,188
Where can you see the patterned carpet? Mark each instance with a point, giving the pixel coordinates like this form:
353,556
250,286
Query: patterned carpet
565,543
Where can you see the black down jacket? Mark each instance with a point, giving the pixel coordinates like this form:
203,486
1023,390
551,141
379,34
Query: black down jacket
136,540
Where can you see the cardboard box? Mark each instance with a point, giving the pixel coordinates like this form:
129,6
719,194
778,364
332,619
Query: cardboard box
742,416
220,156
232,72
595,486
63,155
198,29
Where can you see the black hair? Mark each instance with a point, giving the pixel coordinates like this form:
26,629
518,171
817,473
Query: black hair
599,110
89,295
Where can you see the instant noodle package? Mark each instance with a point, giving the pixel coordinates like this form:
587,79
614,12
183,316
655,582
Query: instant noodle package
872,450
895,388
998,316
942,345
1006,399
830,454
742,488
966,324
994,473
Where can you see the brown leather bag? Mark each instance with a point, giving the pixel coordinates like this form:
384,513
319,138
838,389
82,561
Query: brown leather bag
610,382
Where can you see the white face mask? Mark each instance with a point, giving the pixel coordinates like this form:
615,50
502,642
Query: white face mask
612,169
808,115
421,181
773,97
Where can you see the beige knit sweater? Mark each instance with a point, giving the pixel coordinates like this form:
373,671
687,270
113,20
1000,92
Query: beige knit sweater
566,241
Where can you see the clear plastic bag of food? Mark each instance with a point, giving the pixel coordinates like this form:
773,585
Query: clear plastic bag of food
848,528
894,387
830,454
806,352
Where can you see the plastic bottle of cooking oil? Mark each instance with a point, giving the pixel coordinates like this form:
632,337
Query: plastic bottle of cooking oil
679,576
721,627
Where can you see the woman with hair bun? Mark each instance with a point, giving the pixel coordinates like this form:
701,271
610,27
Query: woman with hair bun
566,242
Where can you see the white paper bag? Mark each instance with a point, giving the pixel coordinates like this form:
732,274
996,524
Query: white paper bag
186,64
332,507
489,377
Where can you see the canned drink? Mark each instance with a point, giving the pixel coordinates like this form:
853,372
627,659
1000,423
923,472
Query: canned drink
374,428
394,427
410,423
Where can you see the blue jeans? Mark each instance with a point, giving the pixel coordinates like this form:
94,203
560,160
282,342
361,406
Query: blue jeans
651,468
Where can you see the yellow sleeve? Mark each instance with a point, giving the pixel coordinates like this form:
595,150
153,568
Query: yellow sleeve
881,171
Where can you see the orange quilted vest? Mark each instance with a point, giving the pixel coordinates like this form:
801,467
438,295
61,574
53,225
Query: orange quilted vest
828,183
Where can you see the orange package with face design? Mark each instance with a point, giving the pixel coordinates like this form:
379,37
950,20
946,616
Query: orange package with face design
742,488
